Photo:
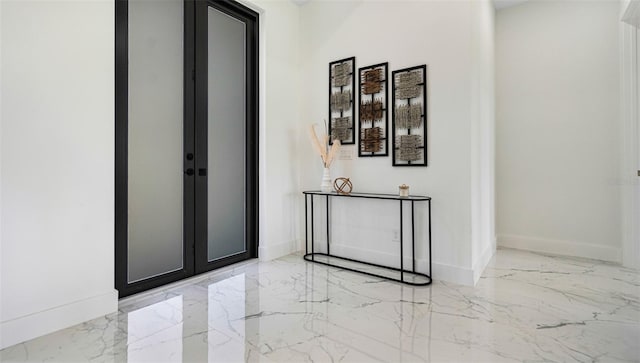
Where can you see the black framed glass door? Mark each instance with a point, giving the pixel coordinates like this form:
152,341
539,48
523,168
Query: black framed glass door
186,140
226,133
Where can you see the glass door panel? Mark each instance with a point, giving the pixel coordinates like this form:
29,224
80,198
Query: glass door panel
155,138
226,134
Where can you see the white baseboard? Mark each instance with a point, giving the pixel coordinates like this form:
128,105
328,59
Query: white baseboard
481,263
454,274
271,252
440,271
560,247
34,325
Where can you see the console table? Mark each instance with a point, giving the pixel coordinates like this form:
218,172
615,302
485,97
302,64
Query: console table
407,276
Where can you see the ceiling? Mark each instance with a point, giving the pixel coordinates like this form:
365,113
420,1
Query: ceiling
499,4
502,4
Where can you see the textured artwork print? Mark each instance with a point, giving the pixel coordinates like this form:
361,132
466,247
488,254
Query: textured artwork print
373,116
341,74
372,81
409,116
371,139
409,147
371,110
341,128
341,101
408,85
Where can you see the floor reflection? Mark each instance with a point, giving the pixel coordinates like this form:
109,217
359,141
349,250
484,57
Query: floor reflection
155,332
226,311
525,307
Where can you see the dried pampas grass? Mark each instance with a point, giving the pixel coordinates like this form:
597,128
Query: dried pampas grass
326,153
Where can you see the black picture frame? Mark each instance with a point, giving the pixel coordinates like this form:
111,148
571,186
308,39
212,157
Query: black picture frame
342,112
409,122
373,115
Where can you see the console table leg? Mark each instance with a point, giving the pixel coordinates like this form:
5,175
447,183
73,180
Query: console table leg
429,204
401,251
413,240
306,227
328,251
312,234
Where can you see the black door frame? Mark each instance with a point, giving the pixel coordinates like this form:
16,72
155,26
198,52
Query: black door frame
195,119
250,18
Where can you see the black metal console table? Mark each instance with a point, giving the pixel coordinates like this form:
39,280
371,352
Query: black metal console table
417,279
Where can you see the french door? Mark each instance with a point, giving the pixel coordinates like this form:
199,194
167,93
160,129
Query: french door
186,139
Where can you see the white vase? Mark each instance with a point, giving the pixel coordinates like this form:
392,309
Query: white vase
325,185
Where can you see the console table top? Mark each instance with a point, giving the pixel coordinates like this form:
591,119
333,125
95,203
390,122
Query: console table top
369,195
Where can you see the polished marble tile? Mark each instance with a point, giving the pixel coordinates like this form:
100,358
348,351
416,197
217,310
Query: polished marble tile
526,307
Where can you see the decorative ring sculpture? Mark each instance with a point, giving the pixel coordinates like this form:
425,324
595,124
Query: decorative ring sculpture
343,185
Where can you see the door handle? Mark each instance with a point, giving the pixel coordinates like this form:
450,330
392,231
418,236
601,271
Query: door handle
202,172
189,172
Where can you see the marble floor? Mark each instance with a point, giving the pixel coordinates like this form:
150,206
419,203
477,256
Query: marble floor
526,307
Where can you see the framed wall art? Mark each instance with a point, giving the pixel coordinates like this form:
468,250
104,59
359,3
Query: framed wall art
373,116
341,101
409,103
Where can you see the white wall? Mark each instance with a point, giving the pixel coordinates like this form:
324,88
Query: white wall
1,143
630,134
483,138
57,139
57,165
57,157
405,34
634,259
630,12
557,91
280,201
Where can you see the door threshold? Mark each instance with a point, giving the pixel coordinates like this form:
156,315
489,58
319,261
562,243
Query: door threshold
189,280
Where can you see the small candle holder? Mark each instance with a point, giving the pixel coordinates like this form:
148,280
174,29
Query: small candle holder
403,191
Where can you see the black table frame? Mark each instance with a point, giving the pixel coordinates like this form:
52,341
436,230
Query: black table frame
309,196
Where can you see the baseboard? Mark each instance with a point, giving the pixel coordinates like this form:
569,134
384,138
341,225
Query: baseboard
440,271
454,274
560,247
481,263
271,252
28,327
